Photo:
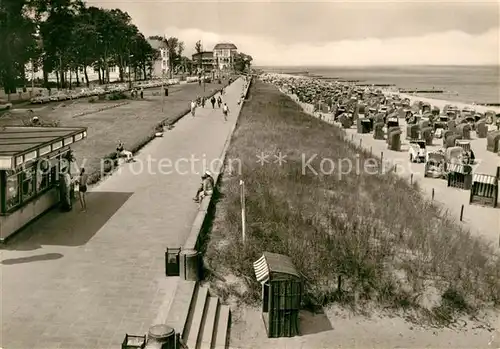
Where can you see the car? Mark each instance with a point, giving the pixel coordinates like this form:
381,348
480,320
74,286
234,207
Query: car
40,99
5,105
74,94
417,151
59,96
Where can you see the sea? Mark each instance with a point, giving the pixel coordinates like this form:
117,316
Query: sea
467,84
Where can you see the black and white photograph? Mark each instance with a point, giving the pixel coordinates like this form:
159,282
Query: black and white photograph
268,174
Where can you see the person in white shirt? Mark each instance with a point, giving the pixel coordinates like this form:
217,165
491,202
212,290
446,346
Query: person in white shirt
225,111
193,108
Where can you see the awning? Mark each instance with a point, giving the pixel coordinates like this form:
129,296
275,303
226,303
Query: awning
272,265
485,179
459,168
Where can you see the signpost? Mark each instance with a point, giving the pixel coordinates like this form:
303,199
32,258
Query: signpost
243,213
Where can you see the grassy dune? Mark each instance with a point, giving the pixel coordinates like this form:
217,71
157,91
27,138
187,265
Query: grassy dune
372,232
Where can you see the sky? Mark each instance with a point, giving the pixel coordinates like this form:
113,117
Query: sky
323,33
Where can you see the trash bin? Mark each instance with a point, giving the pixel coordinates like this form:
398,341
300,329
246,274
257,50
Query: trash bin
161,337
172,261
189,265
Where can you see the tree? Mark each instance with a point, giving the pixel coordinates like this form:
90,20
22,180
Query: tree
198,47
17,42
142,55
242,62
56,32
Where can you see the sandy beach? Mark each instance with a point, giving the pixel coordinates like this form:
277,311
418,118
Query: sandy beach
341,328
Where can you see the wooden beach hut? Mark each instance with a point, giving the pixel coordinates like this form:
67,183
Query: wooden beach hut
423,124
363,125
464,130
493,141
389,131
459,176
412,131
481,129
427,135
484,190
378,131
452,125
394,140
451,139
282,288
31,160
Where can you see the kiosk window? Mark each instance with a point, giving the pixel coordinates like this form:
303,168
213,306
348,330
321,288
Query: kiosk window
43,175
12,197
28,178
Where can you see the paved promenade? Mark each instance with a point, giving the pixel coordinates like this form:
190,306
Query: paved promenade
84,279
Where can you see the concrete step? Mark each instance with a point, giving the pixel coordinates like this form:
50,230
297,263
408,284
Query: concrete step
208,326
222,328
196,318
181,304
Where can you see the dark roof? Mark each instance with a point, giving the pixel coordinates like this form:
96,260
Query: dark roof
225,45
21,139
274,266
204,54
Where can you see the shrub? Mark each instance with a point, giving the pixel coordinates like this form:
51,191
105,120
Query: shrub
115,96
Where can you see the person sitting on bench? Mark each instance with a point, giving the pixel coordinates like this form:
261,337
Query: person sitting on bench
206,188
124,153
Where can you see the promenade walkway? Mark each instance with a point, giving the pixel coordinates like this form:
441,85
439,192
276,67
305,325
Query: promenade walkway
84,279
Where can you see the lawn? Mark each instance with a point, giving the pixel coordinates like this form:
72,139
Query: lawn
375,233
132,123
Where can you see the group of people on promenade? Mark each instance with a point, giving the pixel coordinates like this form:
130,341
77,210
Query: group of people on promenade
80,183
201,101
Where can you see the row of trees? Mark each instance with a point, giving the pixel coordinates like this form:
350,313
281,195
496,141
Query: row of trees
65,37
60,36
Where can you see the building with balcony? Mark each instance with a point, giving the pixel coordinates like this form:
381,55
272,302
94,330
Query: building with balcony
161,66
224,55
204,61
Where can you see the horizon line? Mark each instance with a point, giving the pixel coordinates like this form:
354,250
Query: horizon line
371,66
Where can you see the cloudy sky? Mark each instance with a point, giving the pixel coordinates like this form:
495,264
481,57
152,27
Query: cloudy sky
344,32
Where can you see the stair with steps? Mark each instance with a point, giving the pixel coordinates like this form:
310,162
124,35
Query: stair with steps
201,319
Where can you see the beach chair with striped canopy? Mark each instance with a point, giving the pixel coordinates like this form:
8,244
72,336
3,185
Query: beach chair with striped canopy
282,288
459,176
484,190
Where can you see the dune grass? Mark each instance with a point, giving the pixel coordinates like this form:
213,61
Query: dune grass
358,238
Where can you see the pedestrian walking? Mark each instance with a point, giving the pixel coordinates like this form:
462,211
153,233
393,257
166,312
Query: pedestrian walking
219,101
193,107
142,93
212,100
203,100
82,181
225,111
